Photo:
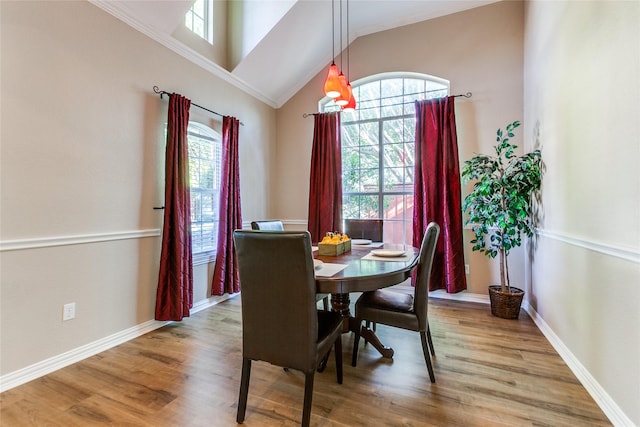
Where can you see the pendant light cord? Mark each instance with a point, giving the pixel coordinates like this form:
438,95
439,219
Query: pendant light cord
341,62
348,60
333,33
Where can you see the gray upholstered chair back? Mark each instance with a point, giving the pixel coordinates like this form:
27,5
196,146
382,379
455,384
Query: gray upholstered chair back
279,319
403,310
364,229
423,274
274,225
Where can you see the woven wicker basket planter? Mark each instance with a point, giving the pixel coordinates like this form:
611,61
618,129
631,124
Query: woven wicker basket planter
504,304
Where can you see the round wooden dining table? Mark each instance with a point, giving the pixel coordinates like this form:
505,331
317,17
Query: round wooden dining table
362,275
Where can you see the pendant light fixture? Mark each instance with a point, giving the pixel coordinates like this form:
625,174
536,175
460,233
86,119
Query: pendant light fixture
351,103
332,82
336,84
343,98
351,100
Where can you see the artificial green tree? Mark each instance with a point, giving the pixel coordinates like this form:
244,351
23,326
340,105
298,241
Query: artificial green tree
500,205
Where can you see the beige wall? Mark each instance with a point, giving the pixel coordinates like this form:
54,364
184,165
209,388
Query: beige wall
466,48
82,157
582,86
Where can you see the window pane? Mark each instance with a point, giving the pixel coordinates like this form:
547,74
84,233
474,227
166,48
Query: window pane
391,106
368,207
369,157
350,207
208,207
196,238
398,218
198,27
198,8
209,237
369,134
410,128
393,131
196,207
350,170
360,206
394,155
369,180
349,135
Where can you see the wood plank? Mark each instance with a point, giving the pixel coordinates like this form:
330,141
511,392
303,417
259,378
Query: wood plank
489,371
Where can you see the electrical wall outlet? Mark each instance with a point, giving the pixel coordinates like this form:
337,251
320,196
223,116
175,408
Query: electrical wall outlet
466,269
69,311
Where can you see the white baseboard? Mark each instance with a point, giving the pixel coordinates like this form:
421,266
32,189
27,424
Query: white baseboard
602,399
37,370
460,296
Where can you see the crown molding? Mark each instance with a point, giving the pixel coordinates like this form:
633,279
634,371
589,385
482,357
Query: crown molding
120,11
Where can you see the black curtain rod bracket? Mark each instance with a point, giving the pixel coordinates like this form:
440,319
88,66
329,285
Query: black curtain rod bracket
157,90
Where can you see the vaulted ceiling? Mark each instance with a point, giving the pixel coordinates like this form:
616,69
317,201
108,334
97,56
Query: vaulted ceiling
292,40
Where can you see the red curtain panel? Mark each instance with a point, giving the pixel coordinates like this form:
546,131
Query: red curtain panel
437,192
225,272
325,184
174,297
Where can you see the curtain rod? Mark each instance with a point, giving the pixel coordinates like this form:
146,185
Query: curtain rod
157,90
466,95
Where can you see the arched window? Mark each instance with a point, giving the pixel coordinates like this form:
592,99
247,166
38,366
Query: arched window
205,157
378,148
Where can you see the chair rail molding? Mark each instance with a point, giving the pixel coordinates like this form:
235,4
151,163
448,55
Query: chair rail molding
629,254
79,239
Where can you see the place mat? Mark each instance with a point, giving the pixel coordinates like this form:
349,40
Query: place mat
404,258
328,269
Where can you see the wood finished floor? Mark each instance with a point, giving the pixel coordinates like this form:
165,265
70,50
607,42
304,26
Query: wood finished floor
489,372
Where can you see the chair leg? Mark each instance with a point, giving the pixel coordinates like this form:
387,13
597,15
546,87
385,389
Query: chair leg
339,359
427,356
431,348
308,395
356,341
244,389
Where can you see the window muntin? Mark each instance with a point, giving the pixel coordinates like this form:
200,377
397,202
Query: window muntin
205,158
199,19
378,149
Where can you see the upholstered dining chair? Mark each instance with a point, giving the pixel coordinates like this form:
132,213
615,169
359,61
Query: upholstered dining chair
276,225
273,225
403,310
280,322
364,229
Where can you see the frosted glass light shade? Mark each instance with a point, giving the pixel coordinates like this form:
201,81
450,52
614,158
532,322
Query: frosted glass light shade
343,98
332,83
